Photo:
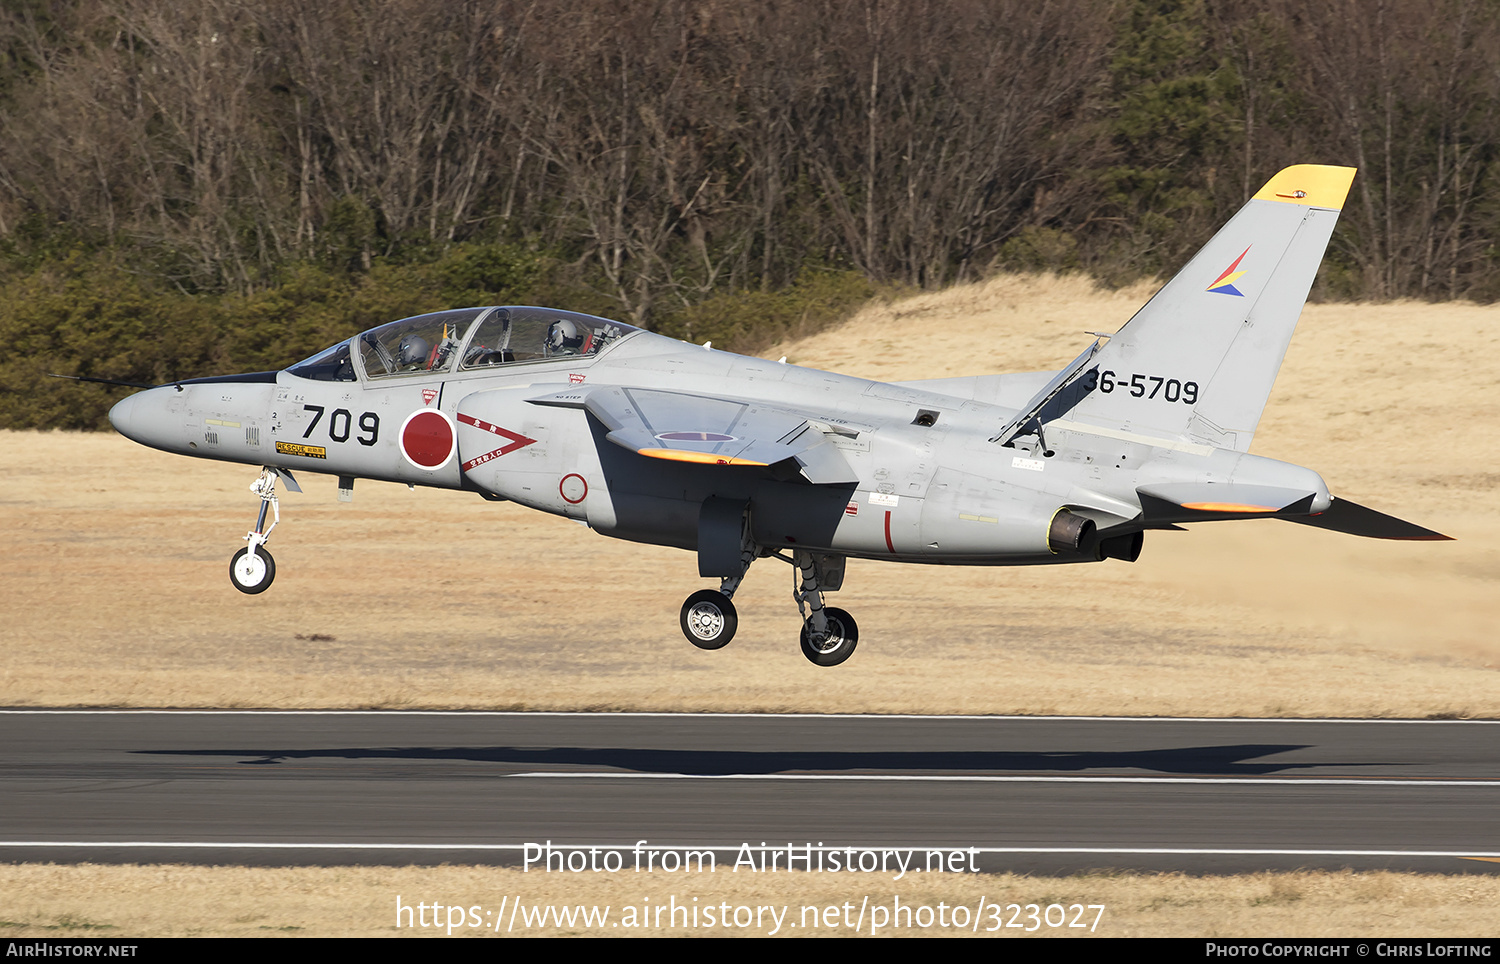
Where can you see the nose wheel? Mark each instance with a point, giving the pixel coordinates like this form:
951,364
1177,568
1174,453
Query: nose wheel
252,571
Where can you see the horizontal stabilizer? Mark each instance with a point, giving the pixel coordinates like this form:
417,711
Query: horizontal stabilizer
1204,502
1356,520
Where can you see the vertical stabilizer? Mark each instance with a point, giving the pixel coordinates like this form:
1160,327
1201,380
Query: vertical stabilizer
1198,361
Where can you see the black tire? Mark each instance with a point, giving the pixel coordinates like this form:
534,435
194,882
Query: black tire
251,578
708,619
843,636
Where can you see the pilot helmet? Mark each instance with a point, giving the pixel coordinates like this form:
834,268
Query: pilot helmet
563,338
414,350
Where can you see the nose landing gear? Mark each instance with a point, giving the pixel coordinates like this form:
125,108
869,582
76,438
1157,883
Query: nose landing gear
251,570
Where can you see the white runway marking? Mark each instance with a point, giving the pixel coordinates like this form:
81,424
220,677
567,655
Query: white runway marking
747,716
979,778
734,847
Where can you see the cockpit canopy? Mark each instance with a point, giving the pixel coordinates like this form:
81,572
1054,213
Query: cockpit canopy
464,339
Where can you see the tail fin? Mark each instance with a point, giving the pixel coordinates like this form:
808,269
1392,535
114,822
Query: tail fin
1197,362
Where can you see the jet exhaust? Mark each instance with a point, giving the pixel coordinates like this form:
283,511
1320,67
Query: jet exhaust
1126,548
1070,532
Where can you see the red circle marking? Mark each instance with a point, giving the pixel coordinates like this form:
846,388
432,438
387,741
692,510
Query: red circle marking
564,481
427,439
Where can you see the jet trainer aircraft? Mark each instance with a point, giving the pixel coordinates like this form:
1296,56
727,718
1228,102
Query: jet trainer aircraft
654,440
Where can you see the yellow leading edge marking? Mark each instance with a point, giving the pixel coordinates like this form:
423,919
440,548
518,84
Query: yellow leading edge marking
677,455
1227,507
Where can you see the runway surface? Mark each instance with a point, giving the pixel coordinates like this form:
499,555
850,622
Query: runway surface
1041,795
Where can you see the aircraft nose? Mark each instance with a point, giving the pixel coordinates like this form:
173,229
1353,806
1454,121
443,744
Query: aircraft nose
122,415
143,418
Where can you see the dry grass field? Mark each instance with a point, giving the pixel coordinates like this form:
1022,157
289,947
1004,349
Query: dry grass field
115,566
115,557
108,904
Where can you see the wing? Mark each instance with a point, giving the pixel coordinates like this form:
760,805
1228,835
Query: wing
710,430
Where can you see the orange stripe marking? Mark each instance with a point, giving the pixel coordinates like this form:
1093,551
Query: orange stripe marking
678,455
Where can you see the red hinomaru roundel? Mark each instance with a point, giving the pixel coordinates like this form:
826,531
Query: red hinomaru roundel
427,438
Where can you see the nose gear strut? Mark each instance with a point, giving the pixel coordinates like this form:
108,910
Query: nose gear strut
252,569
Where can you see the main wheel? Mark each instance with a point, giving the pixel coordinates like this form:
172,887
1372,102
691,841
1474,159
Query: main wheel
843,636
252,572
708,619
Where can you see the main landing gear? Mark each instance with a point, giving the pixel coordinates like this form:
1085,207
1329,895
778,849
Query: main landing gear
252,569
708,619
829,635
838,642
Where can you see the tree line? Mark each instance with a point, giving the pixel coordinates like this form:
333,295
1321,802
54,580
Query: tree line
682,164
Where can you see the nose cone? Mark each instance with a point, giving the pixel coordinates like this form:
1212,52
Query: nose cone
122,414
143,417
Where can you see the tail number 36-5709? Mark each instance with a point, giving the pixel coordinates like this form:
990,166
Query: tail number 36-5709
1149,386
